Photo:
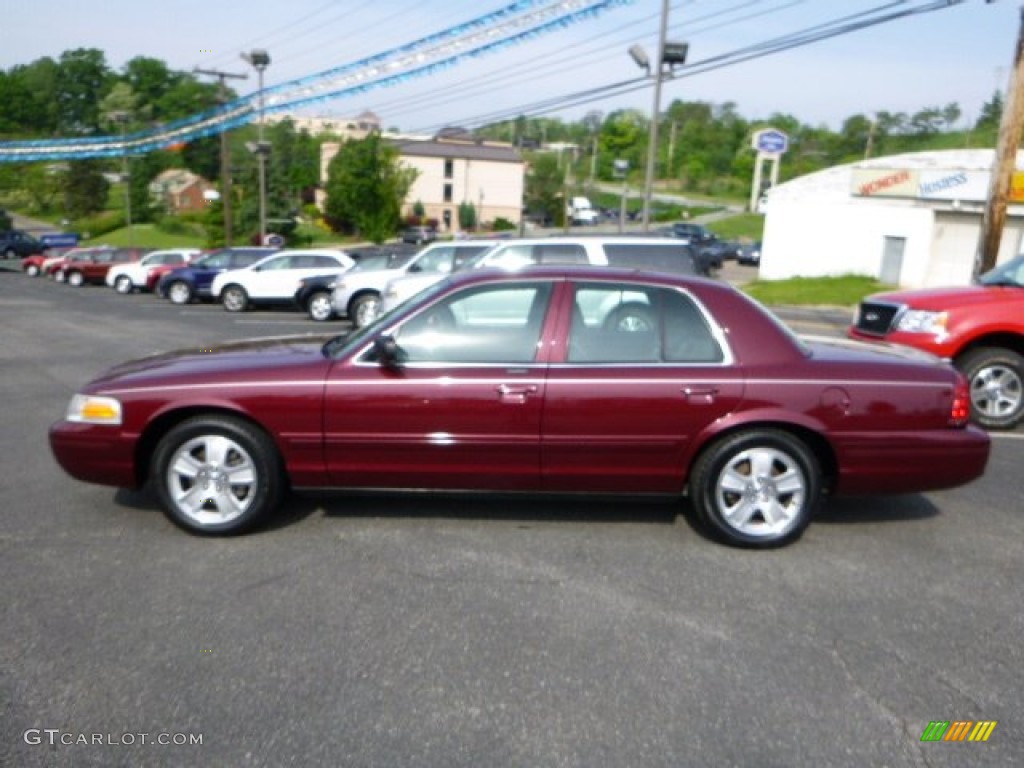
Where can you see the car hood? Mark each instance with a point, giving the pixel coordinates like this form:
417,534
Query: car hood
270,359
939,299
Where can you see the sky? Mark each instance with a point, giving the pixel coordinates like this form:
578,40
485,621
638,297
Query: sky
962,53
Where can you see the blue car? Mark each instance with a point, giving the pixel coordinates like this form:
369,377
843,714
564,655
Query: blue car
187,283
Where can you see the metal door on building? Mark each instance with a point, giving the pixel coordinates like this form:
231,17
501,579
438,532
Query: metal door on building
892,259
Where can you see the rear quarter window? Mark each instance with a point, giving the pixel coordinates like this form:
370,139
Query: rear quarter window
675,258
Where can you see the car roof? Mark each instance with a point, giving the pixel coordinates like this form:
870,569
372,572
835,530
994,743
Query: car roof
581,272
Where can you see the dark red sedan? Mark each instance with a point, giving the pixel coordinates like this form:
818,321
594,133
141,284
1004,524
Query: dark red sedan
552,380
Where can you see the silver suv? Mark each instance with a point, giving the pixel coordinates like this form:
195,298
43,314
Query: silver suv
653,254
357,295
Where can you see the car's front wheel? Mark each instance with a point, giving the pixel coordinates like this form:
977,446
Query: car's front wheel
10,253
76,279
364,309
234,298
60,276
996,378
123,284
217,475
320,307
756,488
32,270
179,292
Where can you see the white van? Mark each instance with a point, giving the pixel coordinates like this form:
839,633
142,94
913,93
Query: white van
653,254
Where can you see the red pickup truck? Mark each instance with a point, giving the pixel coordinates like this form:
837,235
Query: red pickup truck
979,327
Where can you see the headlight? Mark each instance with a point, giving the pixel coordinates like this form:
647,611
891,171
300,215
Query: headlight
93,409
921,321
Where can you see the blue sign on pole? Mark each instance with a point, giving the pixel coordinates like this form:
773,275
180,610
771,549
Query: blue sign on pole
59,239
771,142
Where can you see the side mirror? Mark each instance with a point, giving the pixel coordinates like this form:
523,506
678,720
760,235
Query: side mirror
388,353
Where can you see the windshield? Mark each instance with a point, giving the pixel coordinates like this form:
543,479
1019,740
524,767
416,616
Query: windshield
346,343
1011,273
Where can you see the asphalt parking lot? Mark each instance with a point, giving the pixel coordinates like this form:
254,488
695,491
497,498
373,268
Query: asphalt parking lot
470,632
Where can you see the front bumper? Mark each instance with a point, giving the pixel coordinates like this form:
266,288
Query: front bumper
94,453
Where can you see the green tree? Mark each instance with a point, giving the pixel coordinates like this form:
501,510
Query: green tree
85,188
991,113
467,216
83,78
366,184
544,188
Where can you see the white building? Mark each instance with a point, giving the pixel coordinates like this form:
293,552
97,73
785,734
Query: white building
456,168
912,220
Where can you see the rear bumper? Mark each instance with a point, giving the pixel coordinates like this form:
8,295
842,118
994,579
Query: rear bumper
911,462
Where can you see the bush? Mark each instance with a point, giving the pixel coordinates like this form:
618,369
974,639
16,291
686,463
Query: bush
100,224
502,224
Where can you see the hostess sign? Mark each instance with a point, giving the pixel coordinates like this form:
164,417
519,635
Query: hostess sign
931,184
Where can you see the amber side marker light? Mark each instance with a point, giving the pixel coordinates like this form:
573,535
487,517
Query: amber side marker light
91,409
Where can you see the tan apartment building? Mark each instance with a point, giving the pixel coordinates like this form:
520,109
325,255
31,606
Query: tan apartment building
453,169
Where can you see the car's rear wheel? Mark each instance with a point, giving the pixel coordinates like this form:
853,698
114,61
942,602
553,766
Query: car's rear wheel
217,475
32,270
123,284
757,488
234,298
996,378
179,292
10,253
365,309
320,307
76,279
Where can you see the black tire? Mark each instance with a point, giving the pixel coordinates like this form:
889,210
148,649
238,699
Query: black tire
234,298
319,307
76,279
364,309
631,317
247,453
10,253
736,494
180,292
996,378
123,285
32,270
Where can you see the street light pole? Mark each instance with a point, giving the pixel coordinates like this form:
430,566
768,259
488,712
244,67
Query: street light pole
652,148
260,60
670,54
126,172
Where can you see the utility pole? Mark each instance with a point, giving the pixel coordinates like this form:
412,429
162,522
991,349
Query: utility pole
994,218
225,152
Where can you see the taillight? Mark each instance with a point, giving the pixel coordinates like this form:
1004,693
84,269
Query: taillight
960,412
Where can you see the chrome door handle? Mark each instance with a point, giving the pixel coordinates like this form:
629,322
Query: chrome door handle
704,395
516,393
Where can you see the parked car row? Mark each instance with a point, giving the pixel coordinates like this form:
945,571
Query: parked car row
331,283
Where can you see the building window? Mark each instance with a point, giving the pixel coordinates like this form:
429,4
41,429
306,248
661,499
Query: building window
447,193
449,169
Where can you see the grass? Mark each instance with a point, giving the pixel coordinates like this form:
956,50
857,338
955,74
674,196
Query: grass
841,291
747,227
146,236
